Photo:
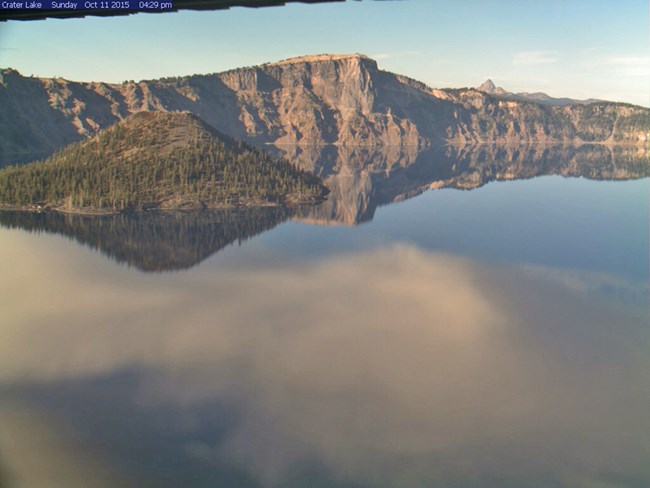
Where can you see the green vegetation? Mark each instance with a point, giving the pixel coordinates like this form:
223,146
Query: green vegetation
152,160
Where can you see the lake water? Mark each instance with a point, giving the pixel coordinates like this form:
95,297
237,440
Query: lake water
486,333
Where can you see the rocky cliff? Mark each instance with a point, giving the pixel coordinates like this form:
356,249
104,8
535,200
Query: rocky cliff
325,99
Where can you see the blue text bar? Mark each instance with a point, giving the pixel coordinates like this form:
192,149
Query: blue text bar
135,5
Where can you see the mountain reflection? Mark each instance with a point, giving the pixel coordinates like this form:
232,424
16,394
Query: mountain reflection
394,367
359,178
154,241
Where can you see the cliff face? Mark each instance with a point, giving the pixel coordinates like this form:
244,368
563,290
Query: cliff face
326,99
488,119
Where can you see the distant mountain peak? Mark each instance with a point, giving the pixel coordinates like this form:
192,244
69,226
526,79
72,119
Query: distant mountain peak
487,86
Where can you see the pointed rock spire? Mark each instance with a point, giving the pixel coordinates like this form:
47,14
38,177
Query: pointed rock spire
487,86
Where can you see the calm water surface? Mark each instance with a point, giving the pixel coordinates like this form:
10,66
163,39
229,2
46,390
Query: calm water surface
496,337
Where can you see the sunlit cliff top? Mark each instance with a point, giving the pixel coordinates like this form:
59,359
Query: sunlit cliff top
320,57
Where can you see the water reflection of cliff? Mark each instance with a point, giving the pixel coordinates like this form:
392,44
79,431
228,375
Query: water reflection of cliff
359,178
362,178
154,241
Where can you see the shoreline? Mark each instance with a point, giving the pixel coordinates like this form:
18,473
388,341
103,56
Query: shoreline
90,212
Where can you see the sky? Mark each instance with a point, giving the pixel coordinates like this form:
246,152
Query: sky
578,48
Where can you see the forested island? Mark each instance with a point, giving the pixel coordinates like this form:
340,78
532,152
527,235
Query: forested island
157,160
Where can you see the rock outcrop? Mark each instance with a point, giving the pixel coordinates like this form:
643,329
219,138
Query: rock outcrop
311,100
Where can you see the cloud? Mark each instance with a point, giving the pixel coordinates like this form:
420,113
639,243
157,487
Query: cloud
629,65
397,54
593,283
534,57
36,451
382,365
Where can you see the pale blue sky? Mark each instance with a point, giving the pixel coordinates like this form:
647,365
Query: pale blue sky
577,48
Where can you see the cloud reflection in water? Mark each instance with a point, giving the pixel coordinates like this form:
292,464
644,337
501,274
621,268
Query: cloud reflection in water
394,367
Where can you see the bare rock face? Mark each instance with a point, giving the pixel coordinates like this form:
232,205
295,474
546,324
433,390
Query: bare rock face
310,100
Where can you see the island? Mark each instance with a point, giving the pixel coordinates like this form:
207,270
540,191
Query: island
157,160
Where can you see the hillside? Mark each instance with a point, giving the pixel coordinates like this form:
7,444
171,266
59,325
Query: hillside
157,160
324,99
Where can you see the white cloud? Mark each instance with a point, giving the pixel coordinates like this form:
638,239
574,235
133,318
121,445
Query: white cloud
397,54
533,57
629,65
